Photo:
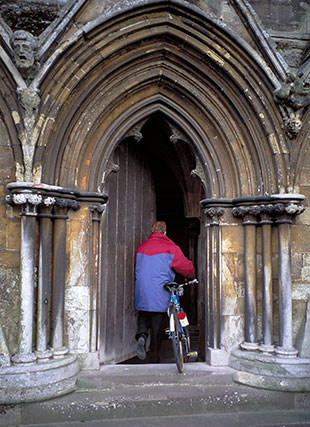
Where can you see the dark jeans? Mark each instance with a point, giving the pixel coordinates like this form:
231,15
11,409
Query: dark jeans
151,320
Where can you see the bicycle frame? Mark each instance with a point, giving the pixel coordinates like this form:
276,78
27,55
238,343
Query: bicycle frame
178,323
175,301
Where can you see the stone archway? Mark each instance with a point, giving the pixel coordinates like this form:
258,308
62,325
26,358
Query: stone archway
209,87
216,90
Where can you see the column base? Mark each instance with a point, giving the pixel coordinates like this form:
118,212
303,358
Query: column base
250,346
266,348
23,358
40,381
286,352
271,372
59,352
217,357
44,355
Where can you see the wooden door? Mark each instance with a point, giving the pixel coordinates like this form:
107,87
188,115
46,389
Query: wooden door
126,223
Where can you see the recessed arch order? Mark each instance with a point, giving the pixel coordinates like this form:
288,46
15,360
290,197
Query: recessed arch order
177,62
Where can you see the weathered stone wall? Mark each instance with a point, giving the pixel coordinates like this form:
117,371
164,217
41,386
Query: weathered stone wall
301,253
9,246
285,15
78,289
233,282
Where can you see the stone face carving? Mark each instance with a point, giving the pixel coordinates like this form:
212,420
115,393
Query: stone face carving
24,46
293,97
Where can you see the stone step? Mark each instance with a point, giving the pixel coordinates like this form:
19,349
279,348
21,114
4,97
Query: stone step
137,391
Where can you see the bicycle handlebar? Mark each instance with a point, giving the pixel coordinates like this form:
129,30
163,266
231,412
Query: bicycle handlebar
175,285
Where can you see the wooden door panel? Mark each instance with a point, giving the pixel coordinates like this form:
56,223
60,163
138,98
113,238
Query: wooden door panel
126,223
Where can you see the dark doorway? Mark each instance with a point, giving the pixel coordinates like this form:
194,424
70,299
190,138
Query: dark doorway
153,181
171,164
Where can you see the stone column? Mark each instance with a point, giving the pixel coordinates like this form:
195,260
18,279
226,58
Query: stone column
29,203
250,285
96,211
215,352
214,276
284,222
267,304
248,214
59,273
45,262
59,277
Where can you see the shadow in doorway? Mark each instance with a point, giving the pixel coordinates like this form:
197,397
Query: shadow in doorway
177,196
166,351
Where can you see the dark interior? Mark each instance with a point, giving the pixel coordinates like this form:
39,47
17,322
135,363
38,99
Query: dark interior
169,178
168,174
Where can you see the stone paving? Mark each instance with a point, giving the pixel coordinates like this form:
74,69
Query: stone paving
157,395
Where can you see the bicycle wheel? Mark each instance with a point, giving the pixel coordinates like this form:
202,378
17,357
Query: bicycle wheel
177,340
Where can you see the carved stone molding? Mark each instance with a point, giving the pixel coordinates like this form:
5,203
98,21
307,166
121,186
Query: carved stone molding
47,196
274,211
135,131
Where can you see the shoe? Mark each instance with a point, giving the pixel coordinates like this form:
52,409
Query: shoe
141,353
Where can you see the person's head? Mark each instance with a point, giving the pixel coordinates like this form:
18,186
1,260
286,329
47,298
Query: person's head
159,227
24,46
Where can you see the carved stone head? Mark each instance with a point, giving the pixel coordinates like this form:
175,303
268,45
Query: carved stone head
293,126
24,46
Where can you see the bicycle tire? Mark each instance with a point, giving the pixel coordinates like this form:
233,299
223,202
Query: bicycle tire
177,344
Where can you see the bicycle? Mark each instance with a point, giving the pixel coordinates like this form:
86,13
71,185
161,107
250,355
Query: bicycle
178,325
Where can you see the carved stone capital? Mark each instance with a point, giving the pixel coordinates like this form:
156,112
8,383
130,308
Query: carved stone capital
239,212
242,211
268,211
74,205
49,201
23,199
67,204
294,209
97,208
36,202
214,212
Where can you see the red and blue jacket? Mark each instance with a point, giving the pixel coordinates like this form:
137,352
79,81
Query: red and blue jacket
157,260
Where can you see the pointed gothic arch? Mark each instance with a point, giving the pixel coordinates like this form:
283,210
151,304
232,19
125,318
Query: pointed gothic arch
201,78
217,94
99,86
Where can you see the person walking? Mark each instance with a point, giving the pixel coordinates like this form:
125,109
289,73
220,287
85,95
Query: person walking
157,260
